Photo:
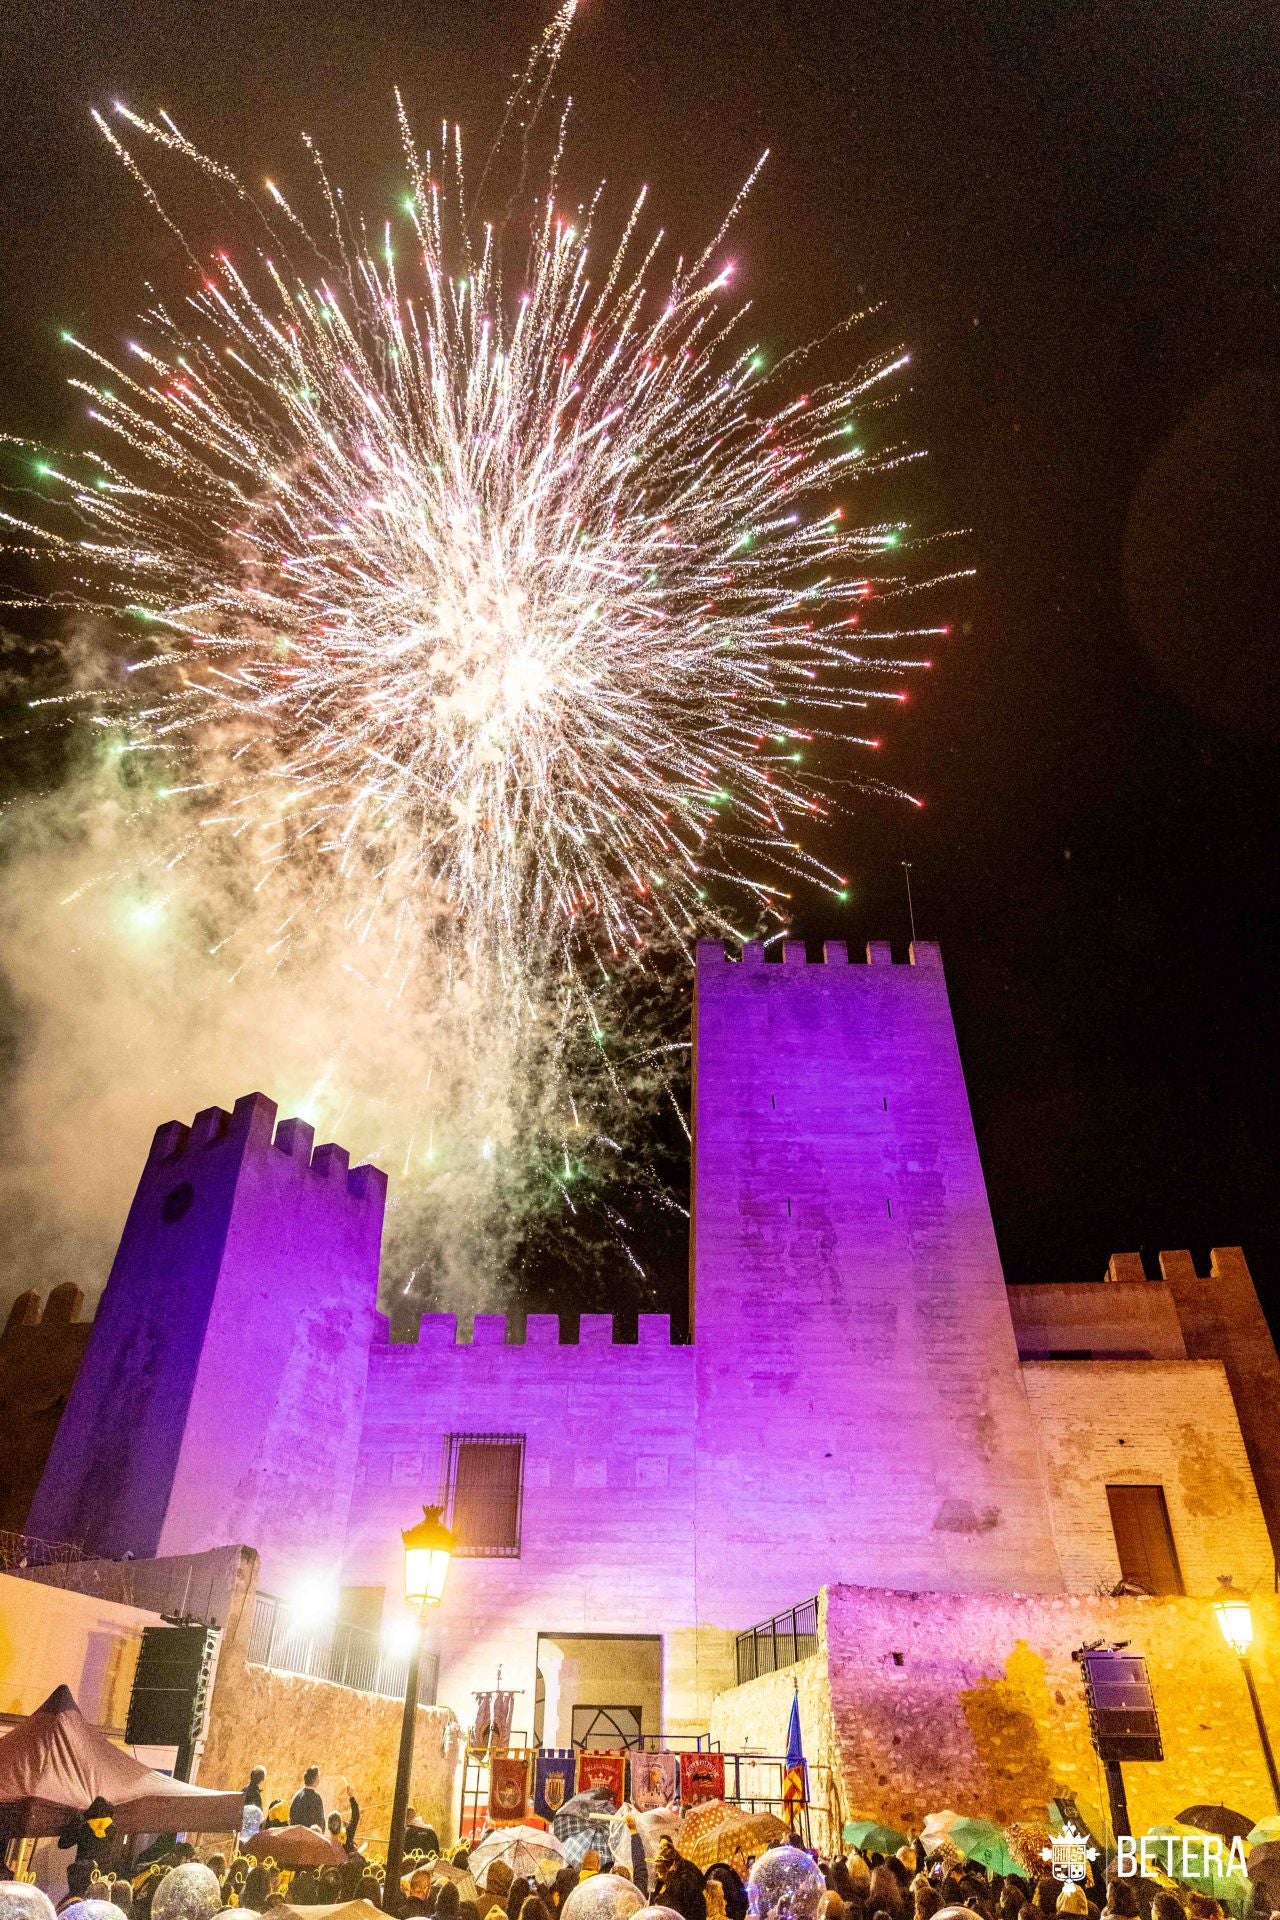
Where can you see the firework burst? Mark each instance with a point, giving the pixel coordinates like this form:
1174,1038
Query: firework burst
530,592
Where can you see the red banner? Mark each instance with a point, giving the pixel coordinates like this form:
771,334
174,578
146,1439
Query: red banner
701,1778
608,1770
508,1786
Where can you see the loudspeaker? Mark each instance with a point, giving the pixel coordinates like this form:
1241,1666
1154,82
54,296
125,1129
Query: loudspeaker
171,1690
1122,1708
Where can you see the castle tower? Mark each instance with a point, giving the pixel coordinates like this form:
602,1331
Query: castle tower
857,1372
222,1392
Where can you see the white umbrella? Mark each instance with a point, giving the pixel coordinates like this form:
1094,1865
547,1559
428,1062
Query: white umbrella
519,1848
937,1828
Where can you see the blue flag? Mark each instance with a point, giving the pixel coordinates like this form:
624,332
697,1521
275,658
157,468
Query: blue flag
795,1776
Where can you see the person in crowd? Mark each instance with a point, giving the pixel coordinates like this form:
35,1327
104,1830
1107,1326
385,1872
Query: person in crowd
257,1886
79,1876
678,1883
534,1908
1072,1899
346,1836
254,1791
517,1894
94,1836
448,1901
562,1886
1167,1906
419,1836
277,1814
233,1885
886,1893
1122,1900
468,1910
306,1809
735,1894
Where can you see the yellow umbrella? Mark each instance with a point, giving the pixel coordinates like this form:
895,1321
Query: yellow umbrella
714,1830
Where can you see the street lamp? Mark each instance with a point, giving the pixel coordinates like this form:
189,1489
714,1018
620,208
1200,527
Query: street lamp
1235,1617
428,1549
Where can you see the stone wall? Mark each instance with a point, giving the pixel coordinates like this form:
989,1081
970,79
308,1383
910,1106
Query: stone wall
1222,1319
222,1389
287,1723
861,1415
1148,1423
1122,1317
40,1354
607,1541
972,1701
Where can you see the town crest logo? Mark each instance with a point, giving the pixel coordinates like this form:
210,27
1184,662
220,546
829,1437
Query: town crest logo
1069,1853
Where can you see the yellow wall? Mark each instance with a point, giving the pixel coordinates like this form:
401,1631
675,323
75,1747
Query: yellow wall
51,1637
986,1713
1147,1422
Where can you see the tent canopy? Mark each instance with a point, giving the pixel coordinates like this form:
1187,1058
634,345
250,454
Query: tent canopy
55,1764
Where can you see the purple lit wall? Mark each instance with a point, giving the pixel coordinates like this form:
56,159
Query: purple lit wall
860,1406
223,1388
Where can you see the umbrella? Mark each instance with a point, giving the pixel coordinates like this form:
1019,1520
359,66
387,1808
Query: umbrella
871,1837
982,1841
1231,1887
714,1830
295,1847
344,1910
626,1843
936,1828
1266,1832
1232,1826
522,1849
441,1870
582,1827
650,1825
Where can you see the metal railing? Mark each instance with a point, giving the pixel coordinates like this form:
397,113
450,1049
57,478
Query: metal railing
342,1654
23,1552
779,1642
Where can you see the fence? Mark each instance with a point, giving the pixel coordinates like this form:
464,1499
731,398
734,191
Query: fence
23,1552
344,1655
778,1642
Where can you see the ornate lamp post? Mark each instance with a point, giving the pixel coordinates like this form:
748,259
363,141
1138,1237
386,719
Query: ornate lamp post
428,1549
1235,1617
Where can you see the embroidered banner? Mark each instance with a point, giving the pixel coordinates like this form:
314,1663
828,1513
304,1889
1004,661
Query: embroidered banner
607,1770
701,1778
508,1786
553,1780
654,1778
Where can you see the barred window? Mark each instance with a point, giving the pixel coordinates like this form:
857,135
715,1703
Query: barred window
483,1485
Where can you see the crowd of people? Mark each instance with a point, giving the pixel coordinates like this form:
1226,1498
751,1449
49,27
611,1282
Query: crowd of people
436,1885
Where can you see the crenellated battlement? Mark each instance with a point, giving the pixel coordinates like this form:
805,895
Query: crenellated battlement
1177,1264
795,953
438,1332
61,1309
251,1127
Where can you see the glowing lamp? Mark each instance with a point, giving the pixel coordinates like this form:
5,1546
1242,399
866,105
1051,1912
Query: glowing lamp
399,1634
428,1549
1236,1621
313,1601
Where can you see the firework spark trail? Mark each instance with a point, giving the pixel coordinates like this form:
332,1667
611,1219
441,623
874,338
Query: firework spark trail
538,600
476,635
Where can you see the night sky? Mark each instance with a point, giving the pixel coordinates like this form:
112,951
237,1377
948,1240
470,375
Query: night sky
1071,213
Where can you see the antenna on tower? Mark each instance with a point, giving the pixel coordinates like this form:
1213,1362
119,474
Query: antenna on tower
911,912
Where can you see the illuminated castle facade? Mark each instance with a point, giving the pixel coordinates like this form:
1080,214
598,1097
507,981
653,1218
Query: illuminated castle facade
863,1404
